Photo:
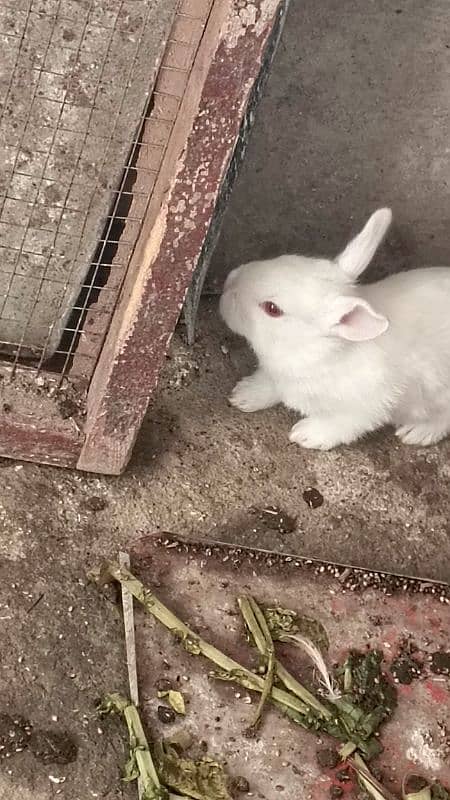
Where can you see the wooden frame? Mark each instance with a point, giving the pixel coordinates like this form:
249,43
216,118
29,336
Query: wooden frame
229,60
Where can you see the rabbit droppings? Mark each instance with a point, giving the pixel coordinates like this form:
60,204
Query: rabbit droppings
349,358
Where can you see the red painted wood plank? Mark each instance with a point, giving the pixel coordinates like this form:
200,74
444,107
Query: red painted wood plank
228,61
28,442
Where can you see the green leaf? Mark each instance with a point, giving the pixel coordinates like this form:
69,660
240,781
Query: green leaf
204,779
113,703
176,700
131,771
370,689
371,700
438,792
284,620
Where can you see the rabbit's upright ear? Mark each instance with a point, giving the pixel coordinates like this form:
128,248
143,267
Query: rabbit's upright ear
359,252
354,319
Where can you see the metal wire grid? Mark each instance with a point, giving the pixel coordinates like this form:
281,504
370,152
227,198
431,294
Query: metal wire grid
96,281
126,195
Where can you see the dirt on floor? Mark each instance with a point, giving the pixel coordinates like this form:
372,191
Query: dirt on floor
199,467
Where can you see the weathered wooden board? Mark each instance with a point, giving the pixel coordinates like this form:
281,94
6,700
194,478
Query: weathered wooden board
230,58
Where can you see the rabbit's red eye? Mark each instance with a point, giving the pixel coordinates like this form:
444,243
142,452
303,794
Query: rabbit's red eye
271,309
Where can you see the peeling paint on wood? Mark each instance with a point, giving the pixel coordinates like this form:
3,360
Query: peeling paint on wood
192,300
43,444
153,297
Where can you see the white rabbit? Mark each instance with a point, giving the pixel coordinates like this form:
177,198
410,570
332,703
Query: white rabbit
349,358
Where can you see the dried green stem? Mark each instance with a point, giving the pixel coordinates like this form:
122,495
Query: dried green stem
257,624
270,656
346,750
348,678
138,745
295,701
367,780
193,643
298,689
261,635
143,756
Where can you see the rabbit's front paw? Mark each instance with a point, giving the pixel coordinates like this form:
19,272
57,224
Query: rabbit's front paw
423,434
316,434
253,393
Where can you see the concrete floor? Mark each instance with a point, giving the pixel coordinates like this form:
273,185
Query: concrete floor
198,468
355,115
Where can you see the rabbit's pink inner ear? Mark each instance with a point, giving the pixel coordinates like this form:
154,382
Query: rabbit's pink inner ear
360,323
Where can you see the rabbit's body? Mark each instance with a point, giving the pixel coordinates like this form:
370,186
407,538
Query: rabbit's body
350,359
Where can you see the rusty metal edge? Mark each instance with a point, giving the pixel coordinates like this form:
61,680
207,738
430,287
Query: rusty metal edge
228,62
354,577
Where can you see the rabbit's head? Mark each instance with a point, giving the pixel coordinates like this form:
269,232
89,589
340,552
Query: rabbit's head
291,301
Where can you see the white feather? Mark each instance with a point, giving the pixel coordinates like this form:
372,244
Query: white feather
332,692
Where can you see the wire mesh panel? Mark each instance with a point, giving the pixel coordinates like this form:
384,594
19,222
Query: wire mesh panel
118,123
76,76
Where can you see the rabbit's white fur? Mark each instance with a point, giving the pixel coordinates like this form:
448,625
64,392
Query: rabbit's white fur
349,358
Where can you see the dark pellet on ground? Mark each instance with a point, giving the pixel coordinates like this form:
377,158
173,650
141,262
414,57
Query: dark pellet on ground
166,714
440,663
67,408
95,503
336,791
14,735
415,783
273,518
313,497
163,685
240,785
53,748
405,669
327,758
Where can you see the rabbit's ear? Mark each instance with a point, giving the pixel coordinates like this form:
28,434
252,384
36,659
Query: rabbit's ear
354,319
359,252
